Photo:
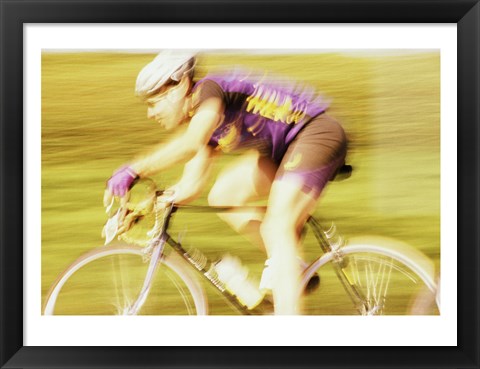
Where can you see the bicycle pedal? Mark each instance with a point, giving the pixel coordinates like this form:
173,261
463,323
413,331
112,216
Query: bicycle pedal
312,284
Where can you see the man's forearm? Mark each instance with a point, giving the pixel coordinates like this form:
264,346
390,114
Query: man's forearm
163,158
195,176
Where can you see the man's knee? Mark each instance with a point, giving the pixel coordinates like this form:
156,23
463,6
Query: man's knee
216,196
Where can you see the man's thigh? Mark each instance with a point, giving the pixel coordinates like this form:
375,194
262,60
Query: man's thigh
246,178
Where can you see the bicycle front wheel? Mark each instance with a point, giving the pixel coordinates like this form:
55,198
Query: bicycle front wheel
108,281
372,279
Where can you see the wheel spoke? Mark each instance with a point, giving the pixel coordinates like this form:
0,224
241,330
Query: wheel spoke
380,275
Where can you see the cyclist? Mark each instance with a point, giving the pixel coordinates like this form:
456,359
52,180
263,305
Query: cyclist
290,148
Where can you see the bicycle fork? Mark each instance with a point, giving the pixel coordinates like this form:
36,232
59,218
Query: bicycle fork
155,257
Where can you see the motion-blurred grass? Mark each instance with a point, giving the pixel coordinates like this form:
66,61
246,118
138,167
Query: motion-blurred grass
389,106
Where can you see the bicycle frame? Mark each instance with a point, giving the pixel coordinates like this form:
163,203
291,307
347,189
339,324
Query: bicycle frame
199,262
207,268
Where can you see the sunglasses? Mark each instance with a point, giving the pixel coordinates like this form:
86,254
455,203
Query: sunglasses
173,93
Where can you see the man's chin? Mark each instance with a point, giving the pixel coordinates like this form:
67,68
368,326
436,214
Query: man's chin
172,127
169,128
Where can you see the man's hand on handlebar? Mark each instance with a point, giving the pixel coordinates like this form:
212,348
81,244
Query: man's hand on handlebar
182,192
119,184
118,188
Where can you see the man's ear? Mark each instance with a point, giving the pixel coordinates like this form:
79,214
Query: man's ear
185,85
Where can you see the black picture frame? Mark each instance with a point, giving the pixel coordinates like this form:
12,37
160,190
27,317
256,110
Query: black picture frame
14,14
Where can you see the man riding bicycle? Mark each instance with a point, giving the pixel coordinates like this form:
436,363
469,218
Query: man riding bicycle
290,148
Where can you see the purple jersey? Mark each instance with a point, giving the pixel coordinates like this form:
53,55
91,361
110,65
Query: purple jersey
258,112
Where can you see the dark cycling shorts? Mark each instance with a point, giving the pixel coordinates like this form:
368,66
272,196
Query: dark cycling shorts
315,155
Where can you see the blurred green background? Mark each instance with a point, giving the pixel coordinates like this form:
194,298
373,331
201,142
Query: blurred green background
388,104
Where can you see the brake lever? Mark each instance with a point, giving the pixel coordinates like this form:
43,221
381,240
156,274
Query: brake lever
109,206
110,228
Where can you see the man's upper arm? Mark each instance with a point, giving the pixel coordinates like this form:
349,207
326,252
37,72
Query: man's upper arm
209,106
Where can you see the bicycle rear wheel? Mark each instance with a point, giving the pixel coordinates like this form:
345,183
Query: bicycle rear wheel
108,280
373,279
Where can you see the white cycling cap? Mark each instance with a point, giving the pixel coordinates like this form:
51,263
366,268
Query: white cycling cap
168,64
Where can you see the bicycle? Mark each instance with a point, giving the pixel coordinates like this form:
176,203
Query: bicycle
376,279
